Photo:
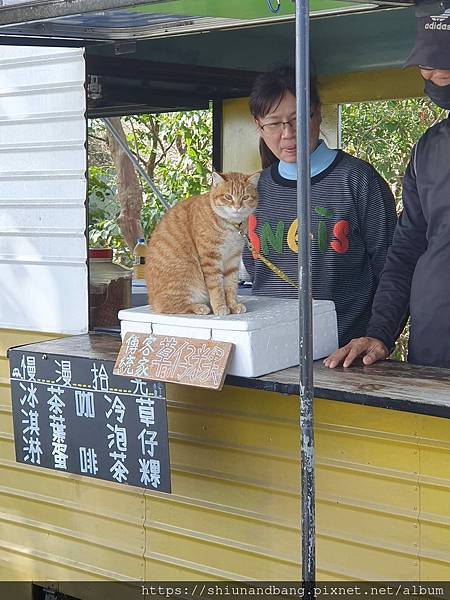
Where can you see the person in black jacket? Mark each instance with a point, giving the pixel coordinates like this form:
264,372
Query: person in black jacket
416,275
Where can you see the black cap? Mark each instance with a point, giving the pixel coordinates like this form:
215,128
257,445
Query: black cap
432,47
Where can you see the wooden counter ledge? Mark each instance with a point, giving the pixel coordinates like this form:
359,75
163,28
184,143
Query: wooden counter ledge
389,384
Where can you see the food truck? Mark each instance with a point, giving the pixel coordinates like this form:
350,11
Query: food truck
231,510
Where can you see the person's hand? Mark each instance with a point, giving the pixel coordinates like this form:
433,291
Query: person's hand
369,348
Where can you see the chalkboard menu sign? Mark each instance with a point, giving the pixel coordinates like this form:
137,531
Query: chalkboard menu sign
74,415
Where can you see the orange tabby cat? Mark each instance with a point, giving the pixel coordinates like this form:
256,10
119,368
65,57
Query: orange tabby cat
193,255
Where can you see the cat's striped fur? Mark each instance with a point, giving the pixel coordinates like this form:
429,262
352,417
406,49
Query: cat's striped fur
193,255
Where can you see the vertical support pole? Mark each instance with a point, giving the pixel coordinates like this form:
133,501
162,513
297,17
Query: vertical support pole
305,294
217,136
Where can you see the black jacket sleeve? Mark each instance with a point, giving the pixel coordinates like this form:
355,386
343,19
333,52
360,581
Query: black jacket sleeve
391,302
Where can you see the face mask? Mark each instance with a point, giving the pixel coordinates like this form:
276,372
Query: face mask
439,94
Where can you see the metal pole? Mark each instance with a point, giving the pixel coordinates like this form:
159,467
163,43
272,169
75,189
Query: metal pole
305,294
136,164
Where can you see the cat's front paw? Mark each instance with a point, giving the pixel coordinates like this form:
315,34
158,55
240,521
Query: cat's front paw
200,309
238,309
221,311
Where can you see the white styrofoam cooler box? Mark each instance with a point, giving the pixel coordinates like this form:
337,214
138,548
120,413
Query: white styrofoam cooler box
265,337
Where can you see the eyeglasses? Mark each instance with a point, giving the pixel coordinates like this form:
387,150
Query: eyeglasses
277,127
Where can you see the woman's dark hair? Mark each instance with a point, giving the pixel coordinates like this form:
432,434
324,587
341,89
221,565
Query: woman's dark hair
267,92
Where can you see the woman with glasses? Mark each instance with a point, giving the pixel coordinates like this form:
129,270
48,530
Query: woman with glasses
353,210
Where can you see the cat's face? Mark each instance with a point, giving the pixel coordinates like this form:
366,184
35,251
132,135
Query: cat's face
234,196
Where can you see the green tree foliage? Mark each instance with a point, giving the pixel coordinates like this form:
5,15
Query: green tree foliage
384,133
175,150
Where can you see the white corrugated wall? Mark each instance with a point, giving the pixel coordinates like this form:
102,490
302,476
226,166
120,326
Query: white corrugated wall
43,190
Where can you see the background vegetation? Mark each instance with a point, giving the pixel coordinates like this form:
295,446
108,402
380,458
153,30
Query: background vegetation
176,150
384,133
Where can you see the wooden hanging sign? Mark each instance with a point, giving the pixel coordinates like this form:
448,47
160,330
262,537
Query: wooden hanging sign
188,361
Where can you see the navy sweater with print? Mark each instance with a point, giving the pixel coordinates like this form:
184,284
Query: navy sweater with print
353,220
416,274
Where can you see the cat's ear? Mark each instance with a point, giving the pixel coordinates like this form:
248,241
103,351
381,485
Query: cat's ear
254,178
217,179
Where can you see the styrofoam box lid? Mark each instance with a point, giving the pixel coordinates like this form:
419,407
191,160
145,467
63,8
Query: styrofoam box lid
262,311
